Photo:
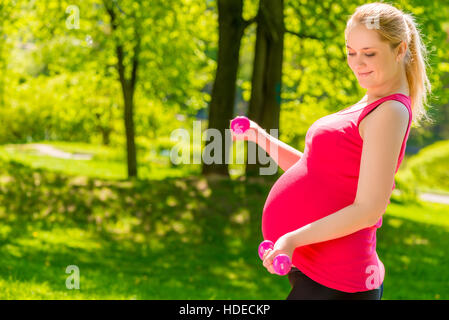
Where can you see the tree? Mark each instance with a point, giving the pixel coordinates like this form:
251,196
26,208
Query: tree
231,26
7,19
264,107
157,33
127,79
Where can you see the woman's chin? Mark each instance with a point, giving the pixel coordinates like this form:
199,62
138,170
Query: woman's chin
364,84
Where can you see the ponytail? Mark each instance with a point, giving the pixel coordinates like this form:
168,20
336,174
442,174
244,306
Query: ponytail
415,67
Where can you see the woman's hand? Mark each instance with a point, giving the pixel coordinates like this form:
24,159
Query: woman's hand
283,245
251,134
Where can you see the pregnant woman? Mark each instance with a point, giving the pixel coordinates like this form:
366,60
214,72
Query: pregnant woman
323,212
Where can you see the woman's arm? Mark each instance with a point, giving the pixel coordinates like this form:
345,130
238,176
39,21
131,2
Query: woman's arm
285,157
339,224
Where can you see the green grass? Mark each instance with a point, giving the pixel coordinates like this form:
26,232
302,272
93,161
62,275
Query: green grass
428,171
141,239
176,238
107,163
412,243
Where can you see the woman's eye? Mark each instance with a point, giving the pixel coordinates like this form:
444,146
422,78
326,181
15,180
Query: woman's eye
368,55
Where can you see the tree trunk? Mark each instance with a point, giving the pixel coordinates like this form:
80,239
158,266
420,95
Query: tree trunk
106,135
128,88
264,106
129,127
231,28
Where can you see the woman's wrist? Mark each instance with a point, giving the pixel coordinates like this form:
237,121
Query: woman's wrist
261,134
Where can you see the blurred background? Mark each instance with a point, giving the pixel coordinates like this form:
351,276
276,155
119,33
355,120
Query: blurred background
90,94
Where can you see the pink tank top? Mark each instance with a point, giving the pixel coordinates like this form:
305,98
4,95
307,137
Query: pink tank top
322,182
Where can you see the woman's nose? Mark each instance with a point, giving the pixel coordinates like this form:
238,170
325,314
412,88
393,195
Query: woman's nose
360,62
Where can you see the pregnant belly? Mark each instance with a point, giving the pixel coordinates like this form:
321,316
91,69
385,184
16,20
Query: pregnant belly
298,198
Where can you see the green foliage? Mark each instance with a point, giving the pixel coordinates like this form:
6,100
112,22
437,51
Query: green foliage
51,65
84,106
316,78
64,81
428,169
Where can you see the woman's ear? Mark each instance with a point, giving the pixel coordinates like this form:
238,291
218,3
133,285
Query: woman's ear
402,49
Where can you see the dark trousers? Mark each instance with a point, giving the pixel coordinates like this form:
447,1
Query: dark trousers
304,288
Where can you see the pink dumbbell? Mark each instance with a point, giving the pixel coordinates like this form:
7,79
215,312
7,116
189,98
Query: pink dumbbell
281,262
240,124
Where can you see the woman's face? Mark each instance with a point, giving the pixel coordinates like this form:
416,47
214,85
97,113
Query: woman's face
372,61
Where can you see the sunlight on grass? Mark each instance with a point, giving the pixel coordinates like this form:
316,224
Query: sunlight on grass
5,230
395,222
13,250
13,289
414,240
433,213
70,237
107,163
184,238
241,216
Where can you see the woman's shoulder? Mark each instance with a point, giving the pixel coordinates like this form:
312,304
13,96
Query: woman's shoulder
393,110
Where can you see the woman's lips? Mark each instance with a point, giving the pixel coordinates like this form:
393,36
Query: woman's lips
365,74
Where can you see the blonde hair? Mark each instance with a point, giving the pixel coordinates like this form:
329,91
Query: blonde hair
395,26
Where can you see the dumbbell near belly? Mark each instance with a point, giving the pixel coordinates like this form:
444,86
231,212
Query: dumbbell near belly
281,263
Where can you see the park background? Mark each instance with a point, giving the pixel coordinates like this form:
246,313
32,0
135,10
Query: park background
90,93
